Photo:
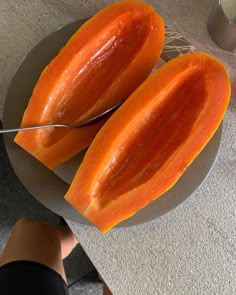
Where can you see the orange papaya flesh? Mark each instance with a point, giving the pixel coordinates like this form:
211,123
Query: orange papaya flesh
102,63
145,147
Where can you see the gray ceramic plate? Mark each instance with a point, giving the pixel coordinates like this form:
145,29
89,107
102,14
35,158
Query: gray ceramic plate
45,185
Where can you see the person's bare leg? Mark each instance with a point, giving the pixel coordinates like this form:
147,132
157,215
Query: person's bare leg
39,242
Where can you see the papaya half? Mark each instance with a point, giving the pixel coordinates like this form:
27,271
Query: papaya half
144,148
103,63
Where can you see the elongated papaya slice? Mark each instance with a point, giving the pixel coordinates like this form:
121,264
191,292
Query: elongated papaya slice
103,63
145,147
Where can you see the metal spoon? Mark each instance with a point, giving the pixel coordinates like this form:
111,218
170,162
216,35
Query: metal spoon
76,125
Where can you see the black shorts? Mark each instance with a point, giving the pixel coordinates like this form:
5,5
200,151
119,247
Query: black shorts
30,278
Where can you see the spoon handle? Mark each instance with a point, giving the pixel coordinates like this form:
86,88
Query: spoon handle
34,127
76,125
